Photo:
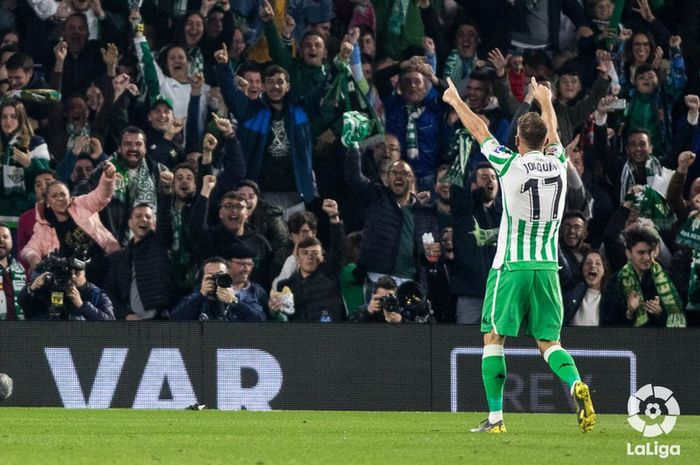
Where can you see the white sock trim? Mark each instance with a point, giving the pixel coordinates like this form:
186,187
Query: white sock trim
493,350
495,417
550,351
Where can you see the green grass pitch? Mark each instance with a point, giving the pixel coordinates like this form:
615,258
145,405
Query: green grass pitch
76,437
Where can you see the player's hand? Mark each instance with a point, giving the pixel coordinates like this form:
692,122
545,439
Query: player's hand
451,95
541,93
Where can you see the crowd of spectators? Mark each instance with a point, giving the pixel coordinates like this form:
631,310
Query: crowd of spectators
189,159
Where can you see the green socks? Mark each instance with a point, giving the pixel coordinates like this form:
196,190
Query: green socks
493,371
562,365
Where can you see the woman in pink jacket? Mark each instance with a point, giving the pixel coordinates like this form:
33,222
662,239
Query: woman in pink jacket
71,225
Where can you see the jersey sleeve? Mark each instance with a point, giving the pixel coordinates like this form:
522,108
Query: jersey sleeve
556,150
498,155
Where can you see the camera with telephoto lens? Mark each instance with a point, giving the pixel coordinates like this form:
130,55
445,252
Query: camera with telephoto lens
389,303
413,298
60,272
59,279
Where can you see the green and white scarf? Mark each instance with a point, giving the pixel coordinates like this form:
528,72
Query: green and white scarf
457,68
356,127
344,97
656,175
653,205
414,112
19,279
689,235
461,146
397,17
670,300
74,133
137,189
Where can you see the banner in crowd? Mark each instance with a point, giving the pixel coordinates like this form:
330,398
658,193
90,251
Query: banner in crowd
326,366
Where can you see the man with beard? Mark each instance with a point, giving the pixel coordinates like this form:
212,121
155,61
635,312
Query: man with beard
231,231
12,278
139,278
275,135
177,194
394,223
477,215
137,182
573,233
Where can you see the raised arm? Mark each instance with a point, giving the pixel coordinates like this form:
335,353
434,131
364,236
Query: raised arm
543,96
474,124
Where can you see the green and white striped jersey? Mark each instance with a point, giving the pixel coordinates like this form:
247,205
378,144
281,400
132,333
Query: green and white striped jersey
533,191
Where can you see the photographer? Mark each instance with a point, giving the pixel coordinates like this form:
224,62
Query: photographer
406,303
216,298
61,292
383,306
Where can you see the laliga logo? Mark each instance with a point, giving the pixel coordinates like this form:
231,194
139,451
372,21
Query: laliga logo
659,407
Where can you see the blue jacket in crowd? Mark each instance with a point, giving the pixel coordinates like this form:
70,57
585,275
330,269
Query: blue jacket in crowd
254,126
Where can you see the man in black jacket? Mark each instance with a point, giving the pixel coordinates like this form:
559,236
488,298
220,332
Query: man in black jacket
139,277
394,222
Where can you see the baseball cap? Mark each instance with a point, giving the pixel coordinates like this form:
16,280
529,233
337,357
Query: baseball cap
161,99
